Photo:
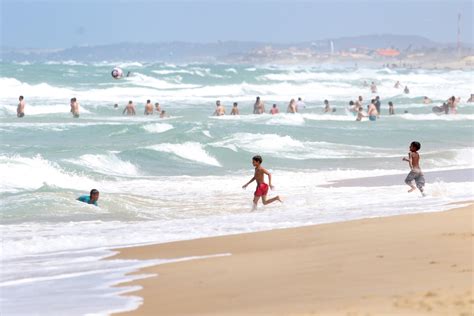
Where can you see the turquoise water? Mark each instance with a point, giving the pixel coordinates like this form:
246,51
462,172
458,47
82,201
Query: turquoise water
181,177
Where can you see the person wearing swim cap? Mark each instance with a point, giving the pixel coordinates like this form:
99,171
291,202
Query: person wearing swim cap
92,198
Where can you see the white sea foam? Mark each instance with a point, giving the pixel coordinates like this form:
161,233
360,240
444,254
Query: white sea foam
190,151
20,173
158,128
284,146
106,164
435,117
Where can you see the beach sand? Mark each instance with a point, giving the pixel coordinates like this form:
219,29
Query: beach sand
417,264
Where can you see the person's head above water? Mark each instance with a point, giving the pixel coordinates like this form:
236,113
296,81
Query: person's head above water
130,102
351,102
258,98
148,101
257,160
390,103
20,98
94,195
326,102
274,105
218,102
235,104
299,99
377,98
360,98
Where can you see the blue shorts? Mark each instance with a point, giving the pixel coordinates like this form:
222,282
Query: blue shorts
372,117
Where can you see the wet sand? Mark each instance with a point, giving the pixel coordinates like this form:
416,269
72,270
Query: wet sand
458,175
418,264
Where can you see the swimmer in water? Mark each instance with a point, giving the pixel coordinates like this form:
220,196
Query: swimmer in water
262,187
300,105
372,111
426,100
360,114
92,198
235,109
163,114
20,110
274,110
291,106
258,107
75,108
406,90
219,109
397,85
373,87
391,111
327,107
157,108
148,108
130,109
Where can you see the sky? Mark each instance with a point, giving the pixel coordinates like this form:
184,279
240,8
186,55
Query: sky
67,23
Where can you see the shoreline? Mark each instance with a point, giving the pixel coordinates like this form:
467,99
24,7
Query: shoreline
377,266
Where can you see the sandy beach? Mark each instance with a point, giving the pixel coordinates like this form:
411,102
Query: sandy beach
417,264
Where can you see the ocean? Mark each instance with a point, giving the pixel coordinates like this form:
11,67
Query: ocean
181,177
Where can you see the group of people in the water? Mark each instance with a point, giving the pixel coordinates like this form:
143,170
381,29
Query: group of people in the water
130,109
294,106
259,107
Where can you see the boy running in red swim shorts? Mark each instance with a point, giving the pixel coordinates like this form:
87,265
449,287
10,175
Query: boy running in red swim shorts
262,187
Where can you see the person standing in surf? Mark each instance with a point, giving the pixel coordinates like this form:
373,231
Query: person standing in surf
74,108
130,109
235,109
20,110
148,108
262,187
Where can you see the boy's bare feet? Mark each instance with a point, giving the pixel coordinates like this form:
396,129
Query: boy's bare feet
411,190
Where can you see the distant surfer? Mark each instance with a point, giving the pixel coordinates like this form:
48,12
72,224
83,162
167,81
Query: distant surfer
92,198
397,85
235,109
148,108
129,108
262,187
20,110
406,90
471,98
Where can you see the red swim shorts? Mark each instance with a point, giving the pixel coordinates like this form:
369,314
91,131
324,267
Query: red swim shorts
262,189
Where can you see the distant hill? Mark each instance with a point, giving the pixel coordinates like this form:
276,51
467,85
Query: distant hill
209,52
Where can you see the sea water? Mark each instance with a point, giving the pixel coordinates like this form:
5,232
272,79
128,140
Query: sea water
180,177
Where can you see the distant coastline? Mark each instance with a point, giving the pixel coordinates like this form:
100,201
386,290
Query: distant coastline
372,51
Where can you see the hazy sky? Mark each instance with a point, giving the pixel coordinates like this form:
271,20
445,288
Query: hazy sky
58,24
